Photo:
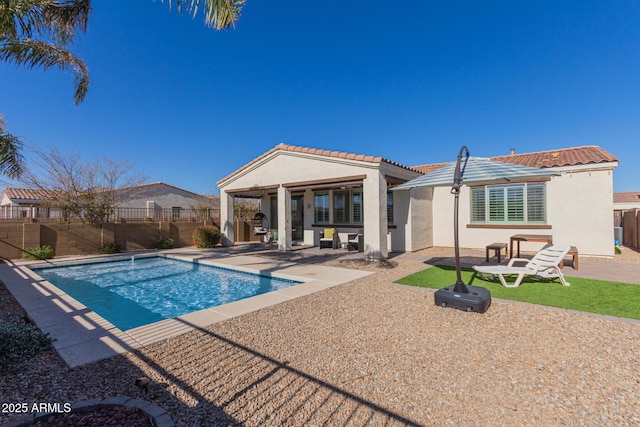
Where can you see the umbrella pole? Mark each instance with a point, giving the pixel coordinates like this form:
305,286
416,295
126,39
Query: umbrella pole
457,182
461,296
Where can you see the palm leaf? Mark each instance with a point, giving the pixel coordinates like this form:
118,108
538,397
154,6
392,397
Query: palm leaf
11,161
36,53
219,14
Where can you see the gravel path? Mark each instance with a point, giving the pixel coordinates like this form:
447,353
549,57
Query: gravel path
370,353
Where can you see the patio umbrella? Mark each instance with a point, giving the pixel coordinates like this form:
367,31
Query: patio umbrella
456,174
475,170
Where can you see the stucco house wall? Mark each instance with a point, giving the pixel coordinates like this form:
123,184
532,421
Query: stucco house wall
413,220
578,214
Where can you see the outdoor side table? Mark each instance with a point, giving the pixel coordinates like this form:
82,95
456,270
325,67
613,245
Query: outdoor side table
497,247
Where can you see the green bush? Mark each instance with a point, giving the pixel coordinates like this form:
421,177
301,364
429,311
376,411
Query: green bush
206,237
20,341
165,243
110,248
38,252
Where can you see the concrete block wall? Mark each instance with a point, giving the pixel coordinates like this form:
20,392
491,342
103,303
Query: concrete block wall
11,240
87,239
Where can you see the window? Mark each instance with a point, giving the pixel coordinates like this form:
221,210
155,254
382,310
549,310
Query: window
347,208
389,207
321,211
357,211
478,205
341,207
273,206
509,204
536,203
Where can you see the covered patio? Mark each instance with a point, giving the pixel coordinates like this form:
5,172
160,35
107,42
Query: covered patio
303,191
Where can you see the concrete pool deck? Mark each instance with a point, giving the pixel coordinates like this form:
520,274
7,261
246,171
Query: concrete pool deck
82,336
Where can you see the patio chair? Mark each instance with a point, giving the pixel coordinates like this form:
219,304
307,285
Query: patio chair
545,264
329,238
257,222
355,242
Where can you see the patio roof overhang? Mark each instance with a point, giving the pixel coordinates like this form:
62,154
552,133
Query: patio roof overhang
316,184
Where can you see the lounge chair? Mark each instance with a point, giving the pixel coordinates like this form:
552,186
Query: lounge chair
545,264
258,223
355,242
329,238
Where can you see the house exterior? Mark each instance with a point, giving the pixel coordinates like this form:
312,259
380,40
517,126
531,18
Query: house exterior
574,208
155,201
19,203
304,190
160,200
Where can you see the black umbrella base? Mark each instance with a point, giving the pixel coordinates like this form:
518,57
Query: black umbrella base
477,299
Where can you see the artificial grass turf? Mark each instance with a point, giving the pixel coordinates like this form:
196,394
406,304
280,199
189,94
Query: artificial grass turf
593,296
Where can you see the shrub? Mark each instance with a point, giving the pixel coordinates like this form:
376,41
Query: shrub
38,252
20,341
110,248
164,243
205,237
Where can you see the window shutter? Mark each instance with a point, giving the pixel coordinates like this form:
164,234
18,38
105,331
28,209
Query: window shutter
496,204
535,203
321,203
515,203
357,207
478,204
341,207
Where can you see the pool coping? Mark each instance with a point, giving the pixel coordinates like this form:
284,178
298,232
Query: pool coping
81,336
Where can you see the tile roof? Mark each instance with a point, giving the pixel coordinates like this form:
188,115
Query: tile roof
626,197
319,152
141,187
26,194
574,156
429,168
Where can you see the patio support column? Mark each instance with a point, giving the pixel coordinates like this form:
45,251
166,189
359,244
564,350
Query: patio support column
375,216
226,219
284,219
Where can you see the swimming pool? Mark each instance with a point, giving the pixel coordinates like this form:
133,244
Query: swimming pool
140,291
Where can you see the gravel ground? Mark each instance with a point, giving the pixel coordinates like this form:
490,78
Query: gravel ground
370,353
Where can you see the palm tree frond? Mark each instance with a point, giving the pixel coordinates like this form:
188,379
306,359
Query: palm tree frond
219,14
11,161
67,17
36,53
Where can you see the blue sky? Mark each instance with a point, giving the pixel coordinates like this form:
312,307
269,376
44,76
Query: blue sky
410,81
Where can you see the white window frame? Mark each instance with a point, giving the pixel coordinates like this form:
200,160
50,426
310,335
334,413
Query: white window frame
510,204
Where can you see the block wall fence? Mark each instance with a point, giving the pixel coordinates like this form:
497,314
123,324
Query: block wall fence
87,239
631,228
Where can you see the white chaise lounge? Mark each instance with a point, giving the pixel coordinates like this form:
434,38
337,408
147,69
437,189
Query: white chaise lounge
545,264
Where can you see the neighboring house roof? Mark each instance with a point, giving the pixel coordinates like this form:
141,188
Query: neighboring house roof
18,194
155,189
140,189
574,156
33,195
319,152
626,197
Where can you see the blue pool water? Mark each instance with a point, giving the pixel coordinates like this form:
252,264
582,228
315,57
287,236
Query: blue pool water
131,294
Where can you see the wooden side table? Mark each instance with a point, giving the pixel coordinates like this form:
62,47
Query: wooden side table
498,247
